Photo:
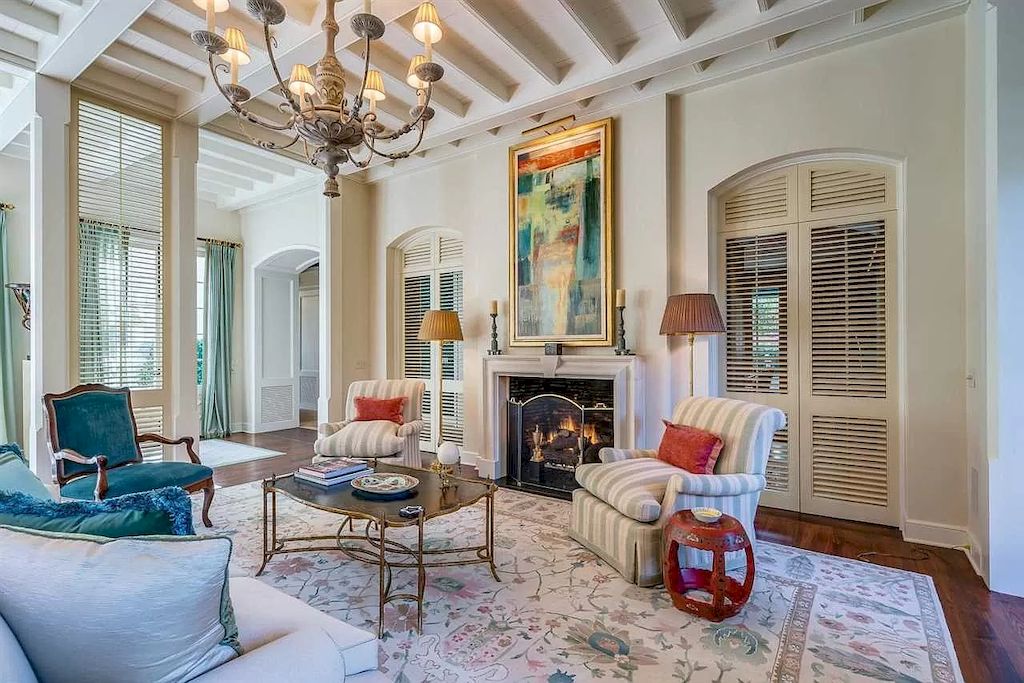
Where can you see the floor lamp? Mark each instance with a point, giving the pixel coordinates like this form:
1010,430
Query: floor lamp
691,314
441,326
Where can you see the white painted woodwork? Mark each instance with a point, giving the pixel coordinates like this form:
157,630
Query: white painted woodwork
276,399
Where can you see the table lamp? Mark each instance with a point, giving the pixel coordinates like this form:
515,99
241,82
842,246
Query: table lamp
442,326
691,314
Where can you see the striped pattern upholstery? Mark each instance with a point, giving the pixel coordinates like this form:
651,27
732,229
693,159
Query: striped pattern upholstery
746,430
368,439
633,487
412,389
634,547
331,443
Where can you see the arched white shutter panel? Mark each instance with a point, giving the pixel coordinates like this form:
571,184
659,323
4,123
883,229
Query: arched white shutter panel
838,189
766,200
432,278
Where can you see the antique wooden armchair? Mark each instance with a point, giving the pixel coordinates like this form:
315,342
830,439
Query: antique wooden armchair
96,446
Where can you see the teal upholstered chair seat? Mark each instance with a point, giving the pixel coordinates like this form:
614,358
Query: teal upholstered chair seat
136,478
96,445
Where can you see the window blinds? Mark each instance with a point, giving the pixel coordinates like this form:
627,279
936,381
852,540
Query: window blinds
120,251
450,294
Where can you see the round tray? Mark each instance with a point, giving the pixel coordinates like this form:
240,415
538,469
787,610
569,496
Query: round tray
385,483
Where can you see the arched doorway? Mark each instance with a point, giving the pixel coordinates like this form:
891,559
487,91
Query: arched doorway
277,359
808,277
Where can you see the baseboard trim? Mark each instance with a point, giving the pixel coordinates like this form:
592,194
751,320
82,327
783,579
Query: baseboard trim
939,535
241,427
468,458
975,557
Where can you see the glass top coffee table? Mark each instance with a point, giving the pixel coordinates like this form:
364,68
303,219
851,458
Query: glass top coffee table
373,546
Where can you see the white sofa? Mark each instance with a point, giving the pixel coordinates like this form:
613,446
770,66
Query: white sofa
628,497
283,639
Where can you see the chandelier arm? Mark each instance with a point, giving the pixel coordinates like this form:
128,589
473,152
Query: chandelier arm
394,135
285,92
358,104
364,163
397,155
263,144
240,110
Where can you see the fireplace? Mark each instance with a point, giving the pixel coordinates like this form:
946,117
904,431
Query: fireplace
554,425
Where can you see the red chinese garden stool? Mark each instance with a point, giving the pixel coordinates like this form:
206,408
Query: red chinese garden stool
727,594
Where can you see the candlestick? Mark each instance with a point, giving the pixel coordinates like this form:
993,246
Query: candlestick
494,350
620,344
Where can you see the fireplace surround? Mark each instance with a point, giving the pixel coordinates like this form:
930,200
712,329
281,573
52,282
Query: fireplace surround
623,374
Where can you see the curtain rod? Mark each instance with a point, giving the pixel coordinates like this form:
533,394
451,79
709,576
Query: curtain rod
224,242
6,207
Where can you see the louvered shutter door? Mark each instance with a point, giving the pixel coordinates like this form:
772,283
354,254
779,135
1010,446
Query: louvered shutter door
757,269
118,183
416,355
849,411
770,199
836,190
452,397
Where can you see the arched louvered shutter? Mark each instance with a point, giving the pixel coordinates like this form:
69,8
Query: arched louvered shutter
807,278
432,279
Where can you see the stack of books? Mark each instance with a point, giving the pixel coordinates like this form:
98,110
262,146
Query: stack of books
336,471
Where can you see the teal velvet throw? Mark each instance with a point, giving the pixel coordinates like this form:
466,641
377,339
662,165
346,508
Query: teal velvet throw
220,308
8,429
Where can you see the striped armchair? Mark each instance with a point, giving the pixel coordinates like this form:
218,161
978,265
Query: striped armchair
628,497
352,439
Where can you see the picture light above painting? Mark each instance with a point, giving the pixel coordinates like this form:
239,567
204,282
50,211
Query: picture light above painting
560,238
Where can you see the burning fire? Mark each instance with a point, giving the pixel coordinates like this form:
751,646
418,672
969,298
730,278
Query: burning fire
569,424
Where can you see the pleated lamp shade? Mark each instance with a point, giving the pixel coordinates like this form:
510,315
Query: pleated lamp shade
301,82
411,78
374,89
440,326
238,49
427,24
692,314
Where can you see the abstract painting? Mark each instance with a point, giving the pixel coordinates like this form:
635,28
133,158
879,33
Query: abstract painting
560,238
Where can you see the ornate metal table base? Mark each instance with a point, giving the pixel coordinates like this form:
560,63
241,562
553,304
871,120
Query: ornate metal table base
375,548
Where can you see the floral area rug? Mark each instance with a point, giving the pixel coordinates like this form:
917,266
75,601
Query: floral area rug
561,615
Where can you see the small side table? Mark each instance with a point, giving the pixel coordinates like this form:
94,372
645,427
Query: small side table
727,594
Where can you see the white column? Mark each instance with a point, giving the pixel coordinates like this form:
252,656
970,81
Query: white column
50,238
181,285
1005,320
331,403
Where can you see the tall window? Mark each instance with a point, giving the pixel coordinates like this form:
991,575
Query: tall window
431,278
119,188
200,313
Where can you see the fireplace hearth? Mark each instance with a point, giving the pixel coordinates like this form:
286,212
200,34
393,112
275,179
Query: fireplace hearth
555,425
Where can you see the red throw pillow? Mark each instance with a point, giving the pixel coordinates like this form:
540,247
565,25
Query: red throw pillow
689,448
369,408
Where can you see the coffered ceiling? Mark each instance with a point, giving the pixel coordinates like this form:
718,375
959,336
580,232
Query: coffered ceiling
509,64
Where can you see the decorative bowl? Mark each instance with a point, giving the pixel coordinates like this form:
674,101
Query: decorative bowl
707,515
385,483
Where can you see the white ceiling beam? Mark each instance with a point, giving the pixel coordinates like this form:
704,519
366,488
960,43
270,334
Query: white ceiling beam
390,65
295,46
448,53
163,70
6,80
228,166
18,49
238,18
719,37
220,188
673,11
79,43
591,21
33,15
226,179
17,115
123,88
212,144
168,35
488,14
763,5
211,197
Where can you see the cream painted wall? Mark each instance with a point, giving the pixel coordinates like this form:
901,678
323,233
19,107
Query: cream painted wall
14,189
900,96
217,224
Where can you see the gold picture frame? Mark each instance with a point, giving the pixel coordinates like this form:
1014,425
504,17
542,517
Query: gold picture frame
578,311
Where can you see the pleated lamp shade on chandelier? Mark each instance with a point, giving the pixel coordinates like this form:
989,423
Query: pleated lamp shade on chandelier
441,326
692,314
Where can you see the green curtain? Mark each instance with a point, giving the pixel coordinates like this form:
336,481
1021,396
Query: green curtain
220,308
8,428
101,256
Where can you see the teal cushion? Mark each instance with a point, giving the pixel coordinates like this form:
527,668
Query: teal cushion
134,478
16,476
164,512
96,423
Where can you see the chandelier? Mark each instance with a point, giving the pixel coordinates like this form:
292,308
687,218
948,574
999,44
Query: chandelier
333,130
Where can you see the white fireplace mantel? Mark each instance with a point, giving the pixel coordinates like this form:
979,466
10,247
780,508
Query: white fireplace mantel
626,372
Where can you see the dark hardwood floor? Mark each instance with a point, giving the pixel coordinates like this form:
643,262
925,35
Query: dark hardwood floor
987,628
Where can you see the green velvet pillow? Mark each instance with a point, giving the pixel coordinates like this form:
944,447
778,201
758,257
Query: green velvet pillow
163,512
15,474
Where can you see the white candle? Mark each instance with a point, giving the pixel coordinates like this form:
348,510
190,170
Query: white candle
373,107
211,24
620,298
234,72
421,97
494,308
430,47
366,6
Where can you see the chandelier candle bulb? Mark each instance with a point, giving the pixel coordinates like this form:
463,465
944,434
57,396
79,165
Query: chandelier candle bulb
211,7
